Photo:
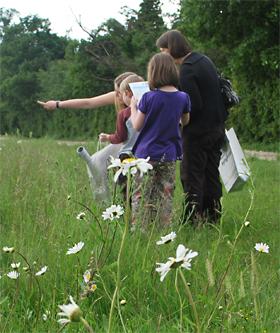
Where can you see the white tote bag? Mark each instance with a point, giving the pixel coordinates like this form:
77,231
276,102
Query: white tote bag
97,169
233,168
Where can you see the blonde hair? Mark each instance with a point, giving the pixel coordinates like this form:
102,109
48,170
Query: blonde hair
130,79
162,71
117,82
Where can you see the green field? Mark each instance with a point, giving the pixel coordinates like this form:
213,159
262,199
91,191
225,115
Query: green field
234,288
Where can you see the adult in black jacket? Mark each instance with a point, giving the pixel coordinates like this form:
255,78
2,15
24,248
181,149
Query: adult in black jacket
204,136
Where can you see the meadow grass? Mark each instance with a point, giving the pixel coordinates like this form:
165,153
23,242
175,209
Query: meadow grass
234,288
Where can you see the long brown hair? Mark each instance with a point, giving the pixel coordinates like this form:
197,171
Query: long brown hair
162,71
117,82
176,43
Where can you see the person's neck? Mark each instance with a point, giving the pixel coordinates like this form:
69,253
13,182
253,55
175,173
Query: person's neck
168,88
179,61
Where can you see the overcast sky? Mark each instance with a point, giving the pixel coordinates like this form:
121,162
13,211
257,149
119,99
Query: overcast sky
61,13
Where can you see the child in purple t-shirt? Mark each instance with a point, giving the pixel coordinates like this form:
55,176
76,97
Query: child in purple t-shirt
158,117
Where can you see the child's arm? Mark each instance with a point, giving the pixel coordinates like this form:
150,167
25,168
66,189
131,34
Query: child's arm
137,117
120,134
103,137
81,103
185,119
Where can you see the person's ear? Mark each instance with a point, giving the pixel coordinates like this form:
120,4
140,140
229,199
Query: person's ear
129,93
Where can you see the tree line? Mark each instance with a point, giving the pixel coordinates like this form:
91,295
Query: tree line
242,38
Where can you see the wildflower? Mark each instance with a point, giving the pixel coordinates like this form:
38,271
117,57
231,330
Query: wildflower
7,249
25,268
13,275
92,287
247,223
68,197
46,315
29,314
42,271
183,259
71,311
15,265
81,216
262,247
76,248
131,165
123,302
113,212
167,239
87,276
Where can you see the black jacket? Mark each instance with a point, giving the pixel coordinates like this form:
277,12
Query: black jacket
198,77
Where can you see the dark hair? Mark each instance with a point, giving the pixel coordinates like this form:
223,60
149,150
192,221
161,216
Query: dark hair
176,43
162,71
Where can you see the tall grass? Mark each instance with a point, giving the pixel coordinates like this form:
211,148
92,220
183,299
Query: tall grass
234,288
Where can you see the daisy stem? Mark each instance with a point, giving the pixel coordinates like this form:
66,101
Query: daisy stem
189,294
254,285
86,324
181,303
12,306
118,282
62,328
95,217
38,285
251,191
111,246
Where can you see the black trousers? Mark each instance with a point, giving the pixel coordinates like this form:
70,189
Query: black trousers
200,174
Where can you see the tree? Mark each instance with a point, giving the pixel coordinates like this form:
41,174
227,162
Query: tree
26,48
242,37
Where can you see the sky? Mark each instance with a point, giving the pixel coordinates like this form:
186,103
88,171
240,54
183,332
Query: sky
91,13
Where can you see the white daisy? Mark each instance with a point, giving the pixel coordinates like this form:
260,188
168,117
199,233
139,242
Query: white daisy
183,259
113,212
15,265
7,249
87,276
81,216
262,247
76,248
131,165
42,271
13,275
246,224
167,239
71,311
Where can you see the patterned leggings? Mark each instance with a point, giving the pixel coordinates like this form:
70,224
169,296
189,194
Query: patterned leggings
153,195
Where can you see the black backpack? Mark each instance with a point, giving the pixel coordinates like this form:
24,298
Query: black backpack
230,97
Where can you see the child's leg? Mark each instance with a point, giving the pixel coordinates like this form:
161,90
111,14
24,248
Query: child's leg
153,195
165,185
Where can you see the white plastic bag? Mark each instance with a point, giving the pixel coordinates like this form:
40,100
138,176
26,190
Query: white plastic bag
97,169
233,168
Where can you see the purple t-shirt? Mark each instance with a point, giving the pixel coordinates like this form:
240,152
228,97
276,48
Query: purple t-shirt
160,136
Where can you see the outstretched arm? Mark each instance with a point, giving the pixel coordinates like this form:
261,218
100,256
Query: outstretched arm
81,103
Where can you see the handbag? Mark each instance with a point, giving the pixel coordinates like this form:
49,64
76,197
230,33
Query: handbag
233,168
230,97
